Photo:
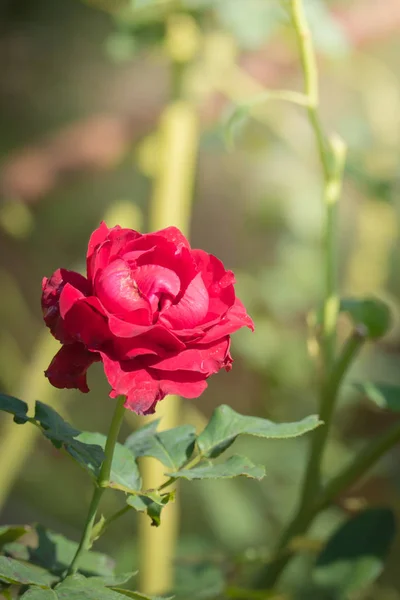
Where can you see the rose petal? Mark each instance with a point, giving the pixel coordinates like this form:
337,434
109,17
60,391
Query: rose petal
143,389
191,309
153,281
69,366
205,359
174,235
86,323
218,282
120,295
105,245
52,290
235,319
156,341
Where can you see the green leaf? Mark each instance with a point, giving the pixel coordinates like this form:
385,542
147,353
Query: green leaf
233,467
354,556
55,553
58,431
11,533
199,580
114,580
16,407
151,503
371,313
14,571
39,594
385,395
139,595
124,470
226,424
55,428
80,588
172,447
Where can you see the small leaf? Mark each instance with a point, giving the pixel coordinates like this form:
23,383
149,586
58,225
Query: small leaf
385,395
14,406
172,447
232,467
114,580
372,313
55,428
58,431
139,595
39,594
354,556
77,587
124,470
226,424
13,571
11,533
55,552
151,503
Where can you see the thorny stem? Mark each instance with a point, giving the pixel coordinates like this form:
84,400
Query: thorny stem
332,152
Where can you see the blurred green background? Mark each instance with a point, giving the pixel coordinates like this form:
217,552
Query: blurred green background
81,91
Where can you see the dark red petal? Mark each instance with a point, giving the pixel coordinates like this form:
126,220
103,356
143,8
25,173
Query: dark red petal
157,341
204,359
86,322
52,290
68,367
120,295
191,309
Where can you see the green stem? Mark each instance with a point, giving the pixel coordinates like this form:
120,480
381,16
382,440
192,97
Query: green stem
332,156
189,465
329,395
307,507
101,484
361,464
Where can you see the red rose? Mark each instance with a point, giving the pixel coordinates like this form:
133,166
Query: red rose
157,314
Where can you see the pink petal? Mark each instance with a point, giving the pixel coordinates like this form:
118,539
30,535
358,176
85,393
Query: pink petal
191,309
235,319
68,367
153,280
120,295
218,281
107,244
174,235
98,236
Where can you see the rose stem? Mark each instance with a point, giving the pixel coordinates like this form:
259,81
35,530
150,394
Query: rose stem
331,152
101,484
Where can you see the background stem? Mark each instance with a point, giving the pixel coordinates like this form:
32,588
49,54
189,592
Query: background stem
177,146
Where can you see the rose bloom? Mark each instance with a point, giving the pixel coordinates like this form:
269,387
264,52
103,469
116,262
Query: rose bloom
156,313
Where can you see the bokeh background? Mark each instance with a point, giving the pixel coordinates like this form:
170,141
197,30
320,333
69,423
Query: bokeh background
82,88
